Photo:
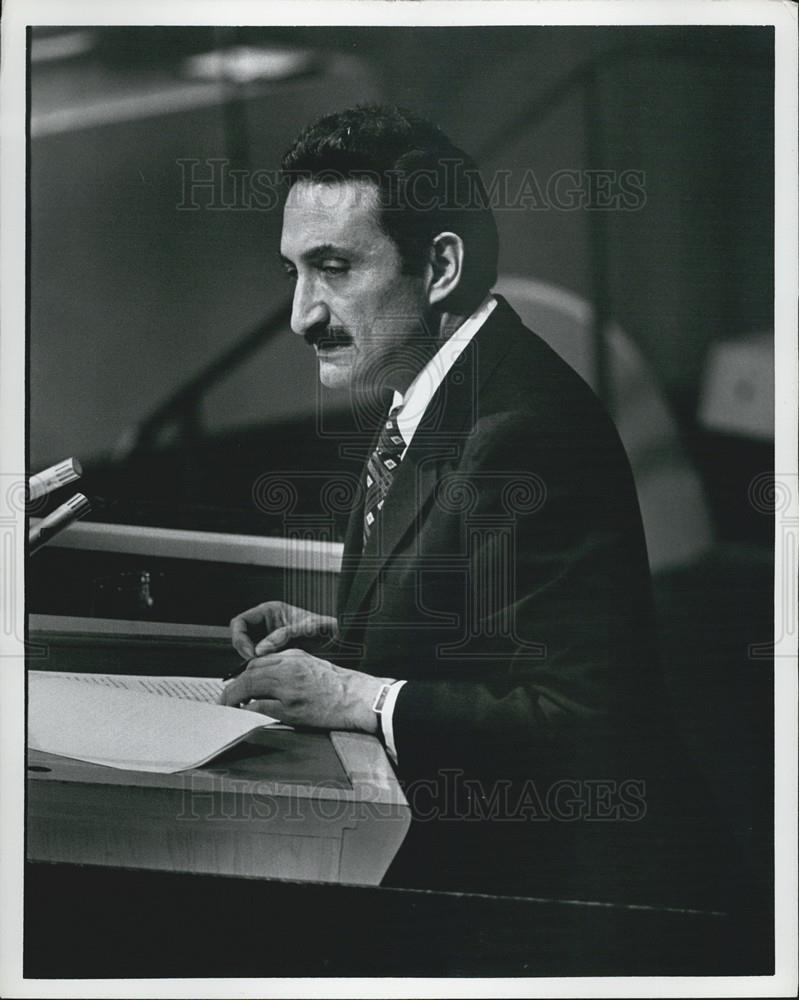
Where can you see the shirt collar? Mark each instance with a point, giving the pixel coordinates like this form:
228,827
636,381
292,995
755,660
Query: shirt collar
417,396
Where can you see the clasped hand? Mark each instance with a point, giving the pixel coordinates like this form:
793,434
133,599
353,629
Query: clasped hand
293,684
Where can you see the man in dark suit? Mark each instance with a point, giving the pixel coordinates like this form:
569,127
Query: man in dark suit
494,621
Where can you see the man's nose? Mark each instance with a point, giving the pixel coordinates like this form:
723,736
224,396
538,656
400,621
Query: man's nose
308,309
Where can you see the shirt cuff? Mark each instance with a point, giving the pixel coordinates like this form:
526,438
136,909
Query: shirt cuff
387,718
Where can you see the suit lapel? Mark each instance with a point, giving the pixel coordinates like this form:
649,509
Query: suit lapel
351,554
437,443
413,484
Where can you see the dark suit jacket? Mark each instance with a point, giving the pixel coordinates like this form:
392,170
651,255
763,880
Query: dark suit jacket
507,580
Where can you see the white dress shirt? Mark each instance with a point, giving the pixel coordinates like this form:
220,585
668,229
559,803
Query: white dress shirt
413,404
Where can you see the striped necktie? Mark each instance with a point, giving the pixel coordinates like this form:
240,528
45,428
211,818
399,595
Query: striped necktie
380,470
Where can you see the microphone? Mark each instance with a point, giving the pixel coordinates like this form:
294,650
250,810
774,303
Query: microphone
56,476
75,508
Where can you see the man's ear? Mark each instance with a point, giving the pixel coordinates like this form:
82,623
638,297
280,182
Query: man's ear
445,269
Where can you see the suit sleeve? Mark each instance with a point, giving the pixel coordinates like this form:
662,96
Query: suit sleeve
557,610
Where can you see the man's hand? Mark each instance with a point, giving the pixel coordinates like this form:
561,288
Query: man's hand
274,625
303,690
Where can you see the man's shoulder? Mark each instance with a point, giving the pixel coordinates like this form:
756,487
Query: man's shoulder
518,372
533,413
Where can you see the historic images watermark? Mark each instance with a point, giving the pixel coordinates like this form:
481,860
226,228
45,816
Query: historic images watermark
15,503
776,495
450,796
214,184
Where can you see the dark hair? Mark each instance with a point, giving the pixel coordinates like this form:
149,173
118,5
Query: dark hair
426,185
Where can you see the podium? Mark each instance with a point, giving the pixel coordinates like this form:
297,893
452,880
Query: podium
307,806
274,852
270,857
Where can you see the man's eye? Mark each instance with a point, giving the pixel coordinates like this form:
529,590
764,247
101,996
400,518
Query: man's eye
334,269
289,274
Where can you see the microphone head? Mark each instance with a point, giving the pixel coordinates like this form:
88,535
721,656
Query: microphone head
54,478
79,505
70,511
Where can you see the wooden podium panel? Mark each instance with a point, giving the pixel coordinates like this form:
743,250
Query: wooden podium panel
324,807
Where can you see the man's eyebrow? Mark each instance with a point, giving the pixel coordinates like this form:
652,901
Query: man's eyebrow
317,253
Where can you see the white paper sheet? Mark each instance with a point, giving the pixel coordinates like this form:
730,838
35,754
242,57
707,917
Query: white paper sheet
129,728
191,688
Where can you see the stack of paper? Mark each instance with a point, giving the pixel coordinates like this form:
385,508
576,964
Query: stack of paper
160,724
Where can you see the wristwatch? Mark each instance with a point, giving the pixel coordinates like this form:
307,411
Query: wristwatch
380,700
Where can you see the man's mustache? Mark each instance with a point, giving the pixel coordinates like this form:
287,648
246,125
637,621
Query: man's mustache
328,336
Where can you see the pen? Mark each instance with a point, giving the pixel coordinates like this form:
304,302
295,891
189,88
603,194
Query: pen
236,671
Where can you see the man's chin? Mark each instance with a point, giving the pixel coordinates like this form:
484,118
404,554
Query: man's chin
335,367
